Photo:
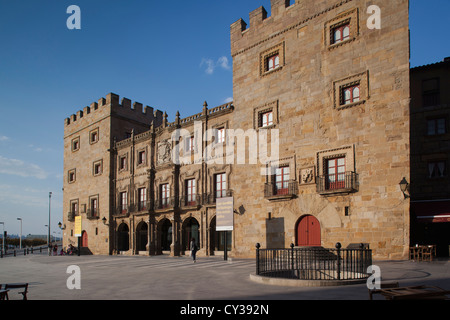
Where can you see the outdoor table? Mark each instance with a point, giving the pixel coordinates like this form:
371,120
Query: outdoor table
415,292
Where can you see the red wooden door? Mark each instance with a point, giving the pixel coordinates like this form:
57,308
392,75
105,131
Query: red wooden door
308,232
84,239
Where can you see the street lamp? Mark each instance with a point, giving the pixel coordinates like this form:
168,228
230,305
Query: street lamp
49,206
20,239
3,237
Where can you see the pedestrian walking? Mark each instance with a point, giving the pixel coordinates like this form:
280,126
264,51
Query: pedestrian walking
193,249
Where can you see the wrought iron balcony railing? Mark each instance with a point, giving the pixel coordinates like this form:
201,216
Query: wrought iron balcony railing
346,182
275,190
92,213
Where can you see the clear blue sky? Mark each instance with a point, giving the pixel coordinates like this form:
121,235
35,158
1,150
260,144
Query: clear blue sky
171,55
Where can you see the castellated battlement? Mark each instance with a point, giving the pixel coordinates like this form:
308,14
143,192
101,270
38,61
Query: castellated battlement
111,105
285,15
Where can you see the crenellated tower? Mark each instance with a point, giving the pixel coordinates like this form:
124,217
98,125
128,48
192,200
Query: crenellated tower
89,137
337,93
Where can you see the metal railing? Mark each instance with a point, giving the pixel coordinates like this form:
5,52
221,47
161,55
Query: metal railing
341,182
314,263
271,189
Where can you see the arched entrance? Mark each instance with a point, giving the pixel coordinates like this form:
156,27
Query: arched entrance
141,236
308,232
165,234
84,239
123,238
190,230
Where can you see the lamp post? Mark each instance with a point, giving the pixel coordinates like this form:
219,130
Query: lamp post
20,239
3,237
49,206
48,243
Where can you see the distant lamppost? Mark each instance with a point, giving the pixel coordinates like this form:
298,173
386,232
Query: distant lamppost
3,237
48,243
49,206
20,239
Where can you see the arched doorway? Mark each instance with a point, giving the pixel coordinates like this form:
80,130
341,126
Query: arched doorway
84,239
141,236
190,230
308,232
166,234
123,239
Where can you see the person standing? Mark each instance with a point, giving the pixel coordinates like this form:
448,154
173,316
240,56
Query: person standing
193,250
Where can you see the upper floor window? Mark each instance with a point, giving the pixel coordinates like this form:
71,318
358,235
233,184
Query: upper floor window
335,173
340,33
220,135
350,94
436,126
266,119
431,92
142,199
141,157
437,169
71,176
123,202
282,180
76,144
164,195
273,62
93,136
122,163
191,192
93,208
221,185
189,144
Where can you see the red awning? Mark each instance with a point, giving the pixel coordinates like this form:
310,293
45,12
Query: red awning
431,211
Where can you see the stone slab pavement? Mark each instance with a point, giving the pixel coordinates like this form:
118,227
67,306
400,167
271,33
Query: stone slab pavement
162,278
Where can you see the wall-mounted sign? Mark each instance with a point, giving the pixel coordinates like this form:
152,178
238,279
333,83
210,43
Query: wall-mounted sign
78,229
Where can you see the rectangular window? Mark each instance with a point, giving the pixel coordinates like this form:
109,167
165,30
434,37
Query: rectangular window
123,202
71,176
350,94
436,126
221,185
93,136
76,144
191,192
340,33
437,169
266,119
142,199
431,92
165,195
74,208
94,207
141,157
282,181
335,175
273,62
123,163
189,144
220,135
